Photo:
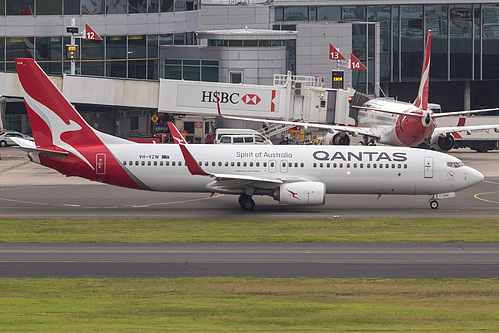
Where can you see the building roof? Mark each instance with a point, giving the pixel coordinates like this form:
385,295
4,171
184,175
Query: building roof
240,34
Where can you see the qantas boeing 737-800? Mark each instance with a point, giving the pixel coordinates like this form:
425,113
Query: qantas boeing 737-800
293,175
395,123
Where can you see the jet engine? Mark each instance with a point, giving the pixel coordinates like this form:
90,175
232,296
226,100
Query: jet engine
301,194
442,142
426,119
340,139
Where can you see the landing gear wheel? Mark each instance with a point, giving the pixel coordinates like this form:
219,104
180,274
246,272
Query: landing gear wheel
434,204
247,204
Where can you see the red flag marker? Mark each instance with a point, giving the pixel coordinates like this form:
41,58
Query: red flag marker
90,34
334,54
355,63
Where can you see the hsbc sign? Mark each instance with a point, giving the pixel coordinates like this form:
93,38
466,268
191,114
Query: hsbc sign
231,97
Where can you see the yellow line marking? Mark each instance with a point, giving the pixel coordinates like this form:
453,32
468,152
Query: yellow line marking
15,166
484,193
488,181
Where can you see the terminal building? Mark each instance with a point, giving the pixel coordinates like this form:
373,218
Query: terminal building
244,42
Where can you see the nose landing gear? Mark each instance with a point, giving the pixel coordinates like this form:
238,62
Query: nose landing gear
433,204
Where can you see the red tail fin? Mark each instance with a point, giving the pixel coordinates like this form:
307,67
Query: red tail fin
422,98
53,119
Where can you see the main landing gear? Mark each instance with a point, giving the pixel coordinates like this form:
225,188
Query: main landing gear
246,202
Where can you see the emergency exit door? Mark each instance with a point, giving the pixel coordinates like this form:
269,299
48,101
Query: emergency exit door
428,167
100,164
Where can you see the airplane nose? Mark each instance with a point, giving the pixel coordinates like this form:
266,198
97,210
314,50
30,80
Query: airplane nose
474,176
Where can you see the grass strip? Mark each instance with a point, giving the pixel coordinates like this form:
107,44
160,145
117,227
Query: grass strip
248,305
250,230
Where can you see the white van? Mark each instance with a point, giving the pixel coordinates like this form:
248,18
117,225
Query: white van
240,136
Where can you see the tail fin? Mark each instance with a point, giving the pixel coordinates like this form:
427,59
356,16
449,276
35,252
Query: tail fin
422,99
53,119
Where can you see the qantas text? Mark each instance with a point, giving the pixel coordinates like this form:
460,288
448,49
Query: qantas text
366,156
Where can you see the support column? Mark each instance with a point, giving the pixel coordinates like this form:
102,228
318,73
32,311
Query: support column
3,107
467,95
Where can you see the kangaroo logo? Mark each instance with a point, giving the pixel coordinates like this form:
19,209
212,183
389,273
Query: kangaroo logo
56,125
294,194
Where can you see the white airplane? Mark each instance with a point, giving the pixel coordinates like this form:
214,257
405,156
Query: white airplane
395,123
292,175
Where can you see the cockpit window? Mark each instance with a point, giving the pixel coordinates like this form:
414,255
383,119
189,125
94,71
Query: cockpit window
455,165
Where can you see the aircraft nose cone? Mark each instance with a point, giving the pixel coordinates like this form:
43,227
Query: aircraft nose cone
474,176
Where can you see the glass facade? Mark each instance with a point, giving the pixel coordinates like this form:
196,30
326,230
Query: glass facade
191,70
465,38
94,7
133,56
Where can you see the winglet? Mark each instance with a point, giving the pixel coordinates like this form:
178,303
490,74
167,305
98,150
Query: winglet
422,98
190,161
177,136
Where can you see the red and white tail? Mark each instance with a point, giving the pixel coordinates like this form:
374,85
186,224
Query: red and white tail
422,99
53,119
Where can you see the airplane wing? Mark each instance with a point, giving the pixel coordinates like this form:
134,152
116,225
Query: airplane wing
354,131
450,129
221,182
457,113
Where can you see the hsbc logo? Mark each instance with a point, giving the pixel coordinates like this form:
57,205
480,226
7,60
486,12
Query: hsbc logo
251,99
232,98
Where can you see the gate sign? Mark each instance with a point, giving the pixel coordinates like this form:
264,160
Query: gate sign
90,34
334,54
356,64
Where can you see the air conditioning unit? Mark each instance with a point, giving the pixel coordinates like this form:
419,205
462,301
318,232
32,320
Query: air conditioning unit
298,88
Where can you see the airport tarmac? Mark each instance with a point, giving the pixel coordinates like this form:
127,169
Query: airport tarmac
28,190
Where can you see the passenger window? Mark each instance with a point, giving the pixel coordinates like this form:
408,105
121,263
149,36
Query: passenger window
328,165
226,164
341,165
232,164
167,163
405,166
257,164
219,164
173,163
155,163
251,164
381,166
264,164
272,164
361,165
321,165
206,163
149,163
200,163
179,163
136,162
213,164
348,165
143,163
355,165
315,165
303,165
161,163
244,164
238,164
334,165
290,164
124,162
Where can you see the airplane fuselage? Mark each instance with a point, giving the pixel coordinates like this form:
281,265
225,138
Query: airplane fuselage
343,169
395,130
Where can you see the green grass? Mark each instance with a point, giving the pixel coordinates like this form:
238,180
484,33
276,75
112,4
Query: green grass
248,305
250,230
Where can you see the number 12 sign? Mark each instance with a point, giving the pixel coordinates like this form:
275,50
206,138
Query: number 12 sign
90,34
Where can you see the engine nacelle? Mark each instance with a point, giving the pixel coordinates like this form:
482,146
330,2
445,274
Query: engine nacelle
340,139
442,143
426,119
301,193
